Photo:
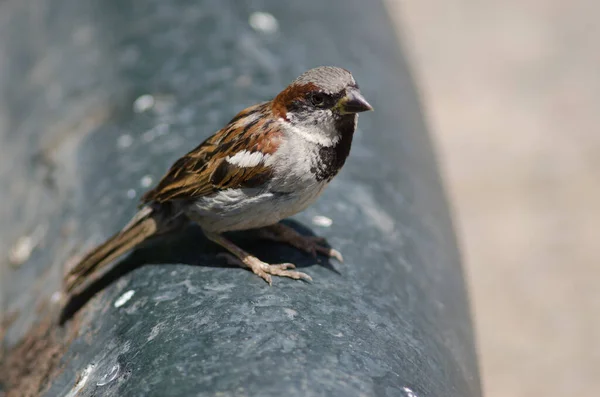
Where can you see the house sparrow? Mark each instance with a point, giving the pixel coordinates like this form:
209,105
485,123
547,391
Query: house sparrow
271,161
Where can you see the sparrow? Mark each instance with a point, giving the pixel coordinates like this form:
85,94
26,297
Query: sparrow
271,161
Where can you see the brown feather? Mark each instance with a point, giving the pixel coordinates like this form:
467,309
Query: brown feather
205,170
144,224
292,93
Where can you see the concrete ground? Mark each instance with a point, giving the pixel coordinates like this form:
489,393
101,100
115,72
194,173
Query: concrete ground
511,90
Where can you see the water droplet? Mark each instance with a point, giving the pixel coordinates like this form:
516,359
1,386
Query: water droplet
110,376
131,193
322,221
263,22
143,103
123,299
408,392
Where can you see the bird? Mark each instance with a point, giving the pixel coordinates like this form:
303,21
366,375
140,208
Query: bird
271,161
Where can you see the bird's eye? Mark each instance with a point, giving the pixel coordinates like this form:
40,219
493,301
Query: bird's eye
318,99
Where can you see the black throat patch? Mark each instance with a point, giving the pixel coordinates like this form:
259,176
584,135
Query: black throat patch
331,158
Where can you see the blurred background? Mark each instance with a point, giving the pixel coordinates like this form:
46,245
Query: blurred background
511,92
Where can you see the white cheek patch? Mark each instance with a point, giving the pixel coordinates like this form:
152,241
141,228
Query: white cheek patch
318,135
245,158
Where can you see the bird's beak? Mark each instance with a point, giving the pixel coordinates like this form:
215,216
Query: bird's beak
353,102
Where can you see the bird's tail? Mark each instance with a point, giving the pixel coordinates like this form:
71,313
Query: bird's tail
145,224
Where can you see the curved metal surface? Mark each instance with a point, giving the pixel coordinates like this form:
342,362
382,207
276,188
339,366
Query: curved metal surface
99,98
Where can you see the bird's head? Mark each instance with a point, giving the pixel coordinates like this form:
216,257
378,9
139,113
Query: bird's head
319,102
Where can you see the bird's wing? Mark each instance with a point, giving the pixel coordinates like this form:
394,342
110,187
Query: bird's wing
232,158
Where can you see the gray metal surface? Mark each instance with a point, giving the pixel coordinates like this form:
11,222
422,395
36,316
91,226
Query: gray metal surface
99,98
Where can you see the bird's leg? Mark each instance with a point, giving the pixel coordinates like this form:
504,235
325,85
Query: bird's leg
264,270
311,244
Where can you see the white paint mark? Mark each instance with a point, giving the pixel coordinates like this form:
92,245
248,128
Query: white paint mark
146,181
22,249
409,393
110,376
55,297
143,103
123,299
81,381
263,22
124,141
323,221
131,194
291,313
245,158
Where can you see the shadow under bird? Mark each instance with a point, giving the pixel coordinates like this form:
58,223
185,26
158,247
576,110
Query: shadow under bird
271,161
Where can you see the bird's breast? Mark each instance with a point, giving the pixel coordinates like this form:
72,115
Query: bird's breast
241,209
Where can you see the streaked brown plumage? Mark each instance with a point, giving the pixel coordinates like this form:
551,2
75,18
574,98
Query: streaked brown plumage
269,162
